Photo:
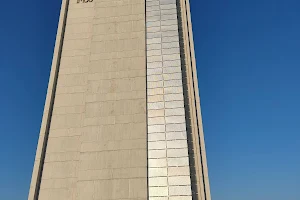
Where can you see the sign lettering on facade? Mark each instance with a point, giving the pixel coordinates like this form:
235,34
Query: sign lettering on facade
84,1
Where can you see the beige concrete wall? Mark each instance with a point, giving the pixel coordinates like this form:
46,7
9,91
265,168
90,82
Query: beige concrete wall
93,139
97,139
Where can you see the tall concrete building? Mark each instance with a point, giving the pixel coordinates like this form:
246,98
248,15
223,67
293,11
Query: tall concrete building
122,115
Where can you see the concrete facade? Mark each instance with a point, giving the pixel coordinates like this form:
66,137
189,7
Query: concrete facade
122,115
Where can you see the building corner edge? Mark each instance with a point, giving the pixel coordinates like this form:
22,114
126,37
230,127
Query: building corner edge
197,134
47,113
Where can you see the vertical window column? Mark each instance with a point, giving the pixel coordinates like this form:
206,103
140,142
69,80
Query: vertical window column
168,161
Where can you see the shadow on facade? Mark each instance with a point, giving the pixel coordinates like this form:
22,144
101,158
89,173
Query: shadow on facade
191,150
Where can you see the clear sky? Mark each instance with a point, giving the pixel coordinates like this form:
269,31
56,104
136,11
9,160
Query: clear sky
248,57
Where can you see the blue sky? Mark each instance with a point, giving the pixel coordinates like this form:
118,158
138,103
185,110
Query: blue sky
248,57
